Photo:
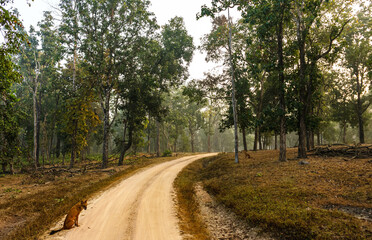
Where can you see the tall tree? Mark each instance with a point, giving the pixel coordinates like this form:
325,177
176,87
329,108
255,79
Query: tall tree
358,55
269,17
108,30
9,26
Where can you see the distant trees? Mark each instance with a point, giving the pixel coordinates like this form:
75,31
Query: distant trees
108,74
284,47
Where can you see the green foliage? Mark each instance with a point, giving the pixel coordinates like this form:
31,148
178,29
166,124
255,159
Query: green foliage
167,153
13,38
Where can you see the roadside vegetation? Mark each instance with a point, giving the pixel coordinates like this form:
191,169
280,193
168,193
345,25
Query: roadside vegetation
31,202
329,198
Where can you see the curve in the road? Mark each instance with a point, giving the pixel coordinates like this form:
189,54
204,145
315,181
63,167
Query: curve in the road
140,207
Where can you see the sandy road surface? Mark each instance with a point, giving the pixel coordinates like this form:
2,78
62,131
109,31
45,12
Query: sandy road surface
140,207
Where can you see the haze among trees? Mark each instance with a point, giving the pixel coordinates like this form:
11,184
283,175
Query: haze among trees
104,78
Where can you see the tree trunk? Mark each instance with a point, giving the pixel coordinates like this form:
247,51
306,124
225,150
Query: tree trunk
344,132
255,138
192,142
302,137
318,137
157,138
235,115
73,149
148,137
106,127
58,146
244,139
192,136
282,106
312,141
209,142
359,109
259,139
276,142
34,98
125,146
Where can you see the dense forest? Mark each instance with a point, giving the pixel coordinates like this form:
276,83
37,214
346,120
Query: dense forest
104,78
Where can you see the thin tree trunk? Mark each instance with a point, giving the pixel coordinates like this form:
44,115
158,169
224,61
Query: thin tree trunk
36,160
148,137
318,137
192,136
359,109
344,133
255,138
259,139
233,95
125,147
73,150
244,139
276,142
106,128
157,138
282,106
209,142
58,146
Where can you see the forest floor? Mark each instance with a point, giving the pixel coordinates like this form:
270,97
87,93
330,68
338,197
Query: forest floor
31,202
321,197
327,196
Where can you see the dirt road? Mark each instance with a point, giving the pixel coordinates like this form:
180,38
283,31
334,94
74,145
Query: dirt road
140,207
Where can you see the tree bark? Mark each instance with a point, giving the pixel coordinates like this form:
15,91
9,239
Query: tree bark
148,137
344,132
126,146
259,139
235,115
73,149
359,109
255,138
58,146
157,138
244,139
281,82
106,127
192,136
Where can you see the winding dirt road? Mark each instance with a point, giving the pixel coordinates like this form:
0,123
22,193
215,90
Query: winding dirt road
140,207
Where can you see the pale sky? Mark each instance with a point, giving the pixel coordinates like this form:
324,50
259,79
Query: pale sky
163,9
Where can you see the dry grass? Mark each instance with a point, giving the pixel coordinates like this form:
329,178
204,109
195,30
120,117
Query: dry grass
295,201
191,223
30,203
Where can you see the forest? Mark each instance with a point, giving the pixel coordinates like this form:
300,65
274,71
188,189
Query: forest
103,78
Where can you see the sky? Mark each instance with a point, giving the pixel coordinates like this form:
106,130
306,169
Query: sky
164,10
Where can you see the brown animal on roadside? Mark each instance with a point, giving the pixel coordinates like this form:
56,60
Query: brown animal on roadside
246,154
72,217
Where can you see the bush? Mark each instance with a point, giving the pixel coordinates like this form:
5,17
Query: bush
167,153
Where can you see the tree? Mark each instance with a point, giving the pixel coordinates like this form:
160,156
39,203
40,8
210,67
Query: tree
358,55
109,32
175,54
306,13
269,18
13,38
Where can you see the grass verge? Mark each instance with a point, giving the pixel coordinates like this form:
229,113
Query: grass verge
291,201
191,223
31,209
